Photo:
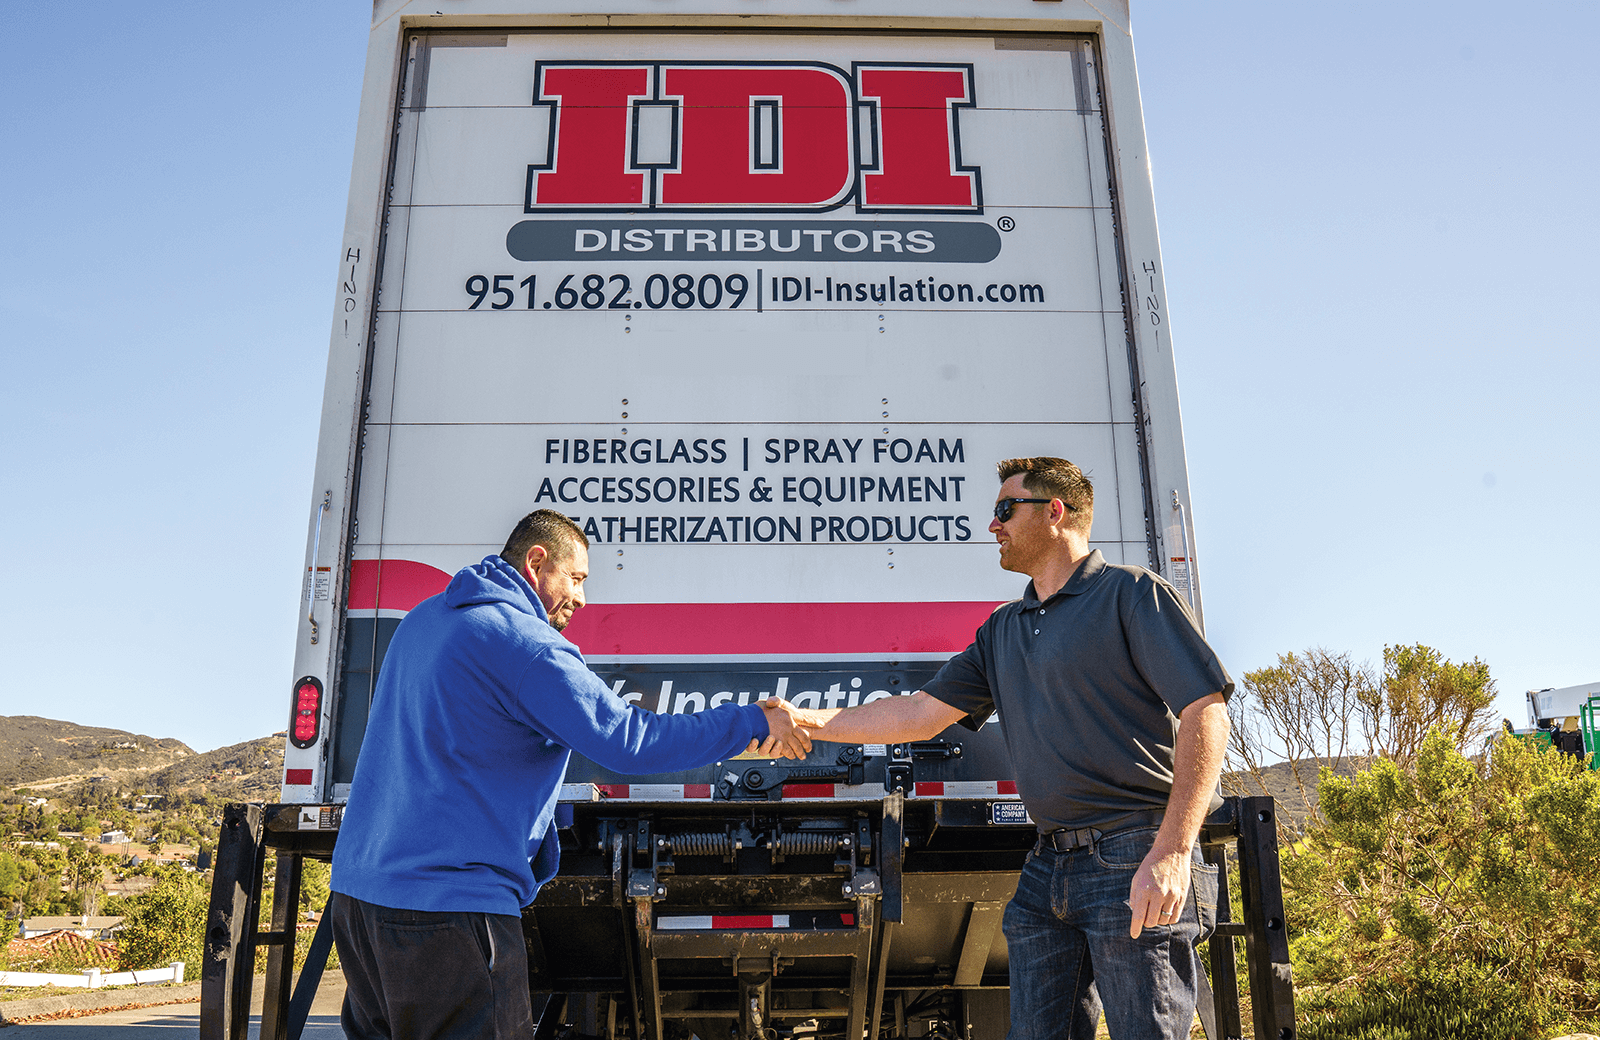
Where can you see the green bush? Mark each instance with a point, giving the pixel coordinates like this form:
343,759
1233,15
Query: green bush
1440,1004
1456,898
166,924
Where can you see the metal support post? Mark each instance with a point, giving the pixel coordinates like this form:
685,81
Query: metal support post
1266,935
230,945
280,955
305,990
1223,1020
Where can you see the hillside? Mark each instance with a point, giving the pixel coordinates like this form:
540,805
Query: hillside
248,772
1278,781
54,758
36,749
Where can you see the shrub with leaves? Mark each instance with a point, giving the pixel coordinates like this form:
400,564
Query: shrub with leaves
165,924
1463,885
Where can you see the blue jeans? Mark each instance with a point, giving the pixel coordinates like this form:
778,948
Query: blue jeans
1067,933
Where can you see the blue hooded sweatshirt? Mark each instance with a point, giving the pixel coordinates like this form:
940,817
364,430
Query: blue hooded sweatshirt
479,704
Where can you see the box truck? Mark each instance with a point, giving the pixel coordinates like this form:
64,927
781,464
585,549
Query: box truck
757,293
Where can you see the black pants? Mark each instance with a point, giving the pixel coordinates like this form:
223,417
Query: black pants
416,975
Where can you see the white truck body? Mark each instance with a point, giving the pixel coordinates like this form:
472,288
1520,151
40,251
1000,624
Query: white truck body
1559,705
758,293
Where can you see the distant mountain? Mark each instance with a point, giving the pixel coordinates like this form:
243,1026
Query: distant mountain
34,749
250,772
1278,780
54,758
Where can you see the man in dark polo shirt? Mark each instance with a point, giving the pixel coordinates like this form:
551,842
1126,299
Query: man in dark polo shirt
1112,707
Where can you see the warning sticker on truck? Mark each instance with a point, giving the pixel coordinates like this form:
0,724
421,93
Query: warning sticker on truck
319,817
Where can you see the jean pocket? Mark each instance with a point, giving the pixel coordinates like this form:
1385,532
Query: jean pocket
1125,850
1203,883
1203,890
1203,886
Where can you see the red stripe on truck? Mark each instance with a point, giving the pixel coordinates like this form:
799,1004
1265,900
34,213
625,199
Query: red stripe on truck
712,628
296,776
393,584
776,628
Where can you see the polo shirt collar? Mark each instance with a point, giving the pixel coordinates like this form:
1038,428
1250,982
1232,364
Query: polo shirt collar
1087,574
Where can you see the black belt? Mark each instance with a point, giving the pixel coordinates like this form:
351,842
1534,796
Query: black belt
1069,839
1066,840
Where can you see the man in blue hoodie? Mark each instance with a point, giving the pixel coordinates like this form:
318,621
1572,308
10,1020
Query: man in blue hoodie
449,830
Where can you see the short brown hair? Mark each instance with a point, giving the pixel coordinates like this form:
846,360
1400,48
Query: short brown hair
545,527
1058,478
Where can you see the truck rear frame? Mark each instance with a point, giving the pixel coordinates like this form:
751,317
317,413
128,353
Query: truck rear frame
857,894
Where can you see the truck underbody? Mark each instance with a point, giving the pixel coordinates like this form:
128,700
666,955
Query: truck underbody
735,920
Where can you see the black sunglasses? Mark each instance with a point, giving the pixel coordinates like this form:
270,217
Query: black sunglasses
1002,508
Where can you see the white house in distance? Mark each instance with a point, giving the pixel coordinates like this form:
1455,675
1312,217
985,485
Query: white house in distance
88,927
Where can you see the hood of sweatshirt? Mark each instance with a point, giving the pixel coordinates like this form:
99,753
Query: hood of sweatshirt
494,581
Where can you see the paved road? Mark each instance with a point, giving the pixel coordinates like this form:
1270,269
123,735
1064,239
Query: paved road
182,1021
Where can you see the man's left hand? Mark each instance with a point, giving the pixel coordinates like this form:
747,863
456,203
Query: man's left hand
1160,887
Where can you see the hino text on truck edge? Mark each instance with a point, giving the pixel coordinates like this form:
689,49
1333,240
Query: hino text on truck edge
757,292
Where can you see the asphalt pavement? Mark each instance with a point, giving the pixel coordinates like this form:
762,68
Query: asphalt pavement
181,1021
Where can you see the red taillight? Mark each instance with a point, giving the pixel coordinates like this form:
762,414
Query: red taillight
306,715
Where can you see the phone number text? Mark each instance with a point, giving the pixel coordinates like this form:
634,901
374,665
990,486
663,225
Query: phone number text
593,292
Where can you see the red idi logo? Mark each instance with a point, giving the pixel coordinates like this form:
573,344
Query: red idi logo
687,136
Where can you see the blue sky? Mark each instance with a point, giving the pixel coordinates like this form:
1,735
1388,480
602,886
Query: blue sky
1376,224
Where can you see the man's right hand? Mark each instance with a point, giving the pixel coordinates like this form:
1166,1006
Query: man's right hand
884,721
787,734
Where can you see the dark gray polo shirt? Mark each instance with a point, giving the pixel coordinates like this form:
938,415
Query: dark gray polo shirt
1088,685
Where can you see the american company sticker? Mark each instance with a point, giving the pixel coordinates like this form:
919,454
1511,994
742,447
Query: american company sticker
1009,813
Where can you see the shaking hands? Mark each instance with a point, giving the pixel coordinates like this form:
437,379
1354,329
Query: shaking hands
789,730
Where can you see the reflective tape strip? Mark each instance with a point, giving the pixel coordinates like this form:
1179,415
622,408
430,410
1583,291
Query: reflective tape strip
683,922
667,792
965,789
715,922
